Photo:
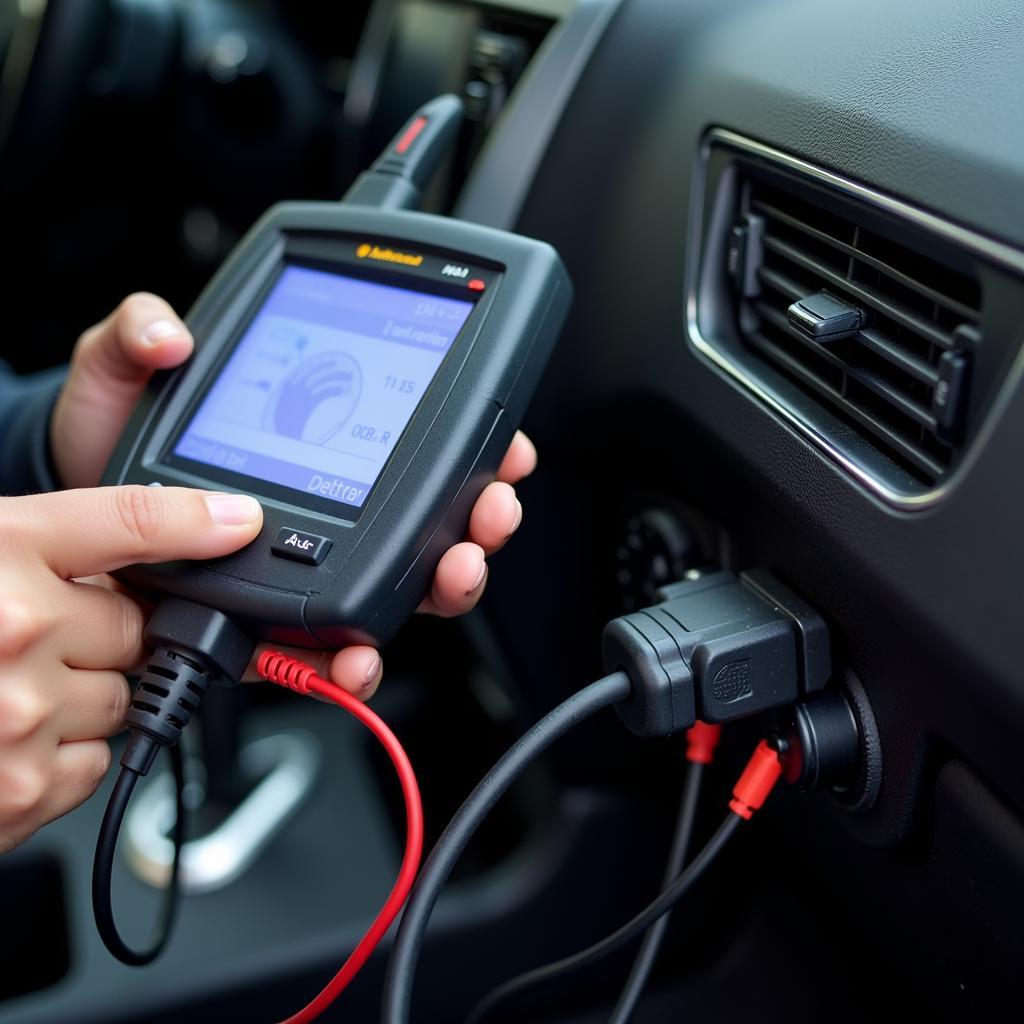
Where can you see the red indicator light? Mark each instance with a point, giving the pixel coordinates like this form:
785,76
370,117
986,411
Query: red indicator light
475,285
410,134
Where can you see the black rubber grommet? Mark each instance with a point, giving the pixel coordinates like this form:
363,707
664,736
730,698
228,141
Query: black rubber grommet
863,793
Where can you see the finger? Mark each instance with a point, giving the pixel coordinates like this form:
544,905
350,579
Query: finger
357,669
34,791
109,369
495,517
142,335
24,710
459,581
92,705
80,533
100,629
520,459
78,769
24,785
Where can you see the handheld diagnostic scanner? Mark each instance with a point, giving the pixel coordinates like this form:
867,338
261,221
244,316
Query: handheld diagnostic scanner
360,369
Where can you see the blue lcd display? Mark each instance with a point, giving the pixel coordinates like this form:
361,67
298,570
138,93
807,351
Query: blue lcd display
323,382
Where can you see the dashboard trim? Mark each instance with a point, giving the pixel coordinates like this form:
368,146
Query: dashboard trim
503,174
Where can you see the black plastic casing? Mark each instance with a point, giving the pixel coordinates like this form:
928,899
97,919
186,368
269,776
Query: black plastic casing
716,648
382,558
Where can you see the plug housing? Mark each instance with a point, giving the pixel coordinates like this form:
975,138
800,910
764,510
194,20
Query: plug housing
717,648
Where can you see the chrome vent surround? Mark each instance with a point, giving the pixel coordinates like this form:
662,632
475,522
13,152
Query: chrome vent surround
917,345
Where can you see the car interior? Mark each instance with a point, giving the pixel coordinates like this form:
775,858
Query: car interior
780,431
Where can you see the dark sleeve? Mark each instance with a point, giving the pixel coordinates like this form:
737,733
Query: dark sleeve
25,406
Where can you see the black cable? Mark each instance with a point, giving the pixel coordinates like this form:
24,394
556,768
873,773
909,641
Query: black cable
648,952
402,967
194,647
619,938
106,843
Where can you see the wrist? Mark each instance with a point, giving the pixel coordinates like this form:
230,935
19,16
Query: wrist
29,465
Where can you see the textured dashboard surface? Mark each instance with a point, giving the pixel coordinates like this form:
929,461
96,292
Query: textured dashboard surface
920,98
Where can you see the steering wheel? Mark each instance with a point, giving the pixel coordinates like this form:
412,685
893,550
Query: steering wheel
61,53
229,67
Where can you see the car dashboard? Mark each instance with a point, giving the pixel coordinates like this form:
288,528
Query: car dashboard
796,238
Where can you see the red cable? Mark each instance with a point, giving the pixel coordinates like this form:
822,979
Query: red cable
298,676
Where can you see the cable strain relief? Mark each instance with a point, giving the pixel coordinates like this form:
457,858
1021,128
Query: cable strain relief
701,740
763,771
661,701
279,668
169,693
140,753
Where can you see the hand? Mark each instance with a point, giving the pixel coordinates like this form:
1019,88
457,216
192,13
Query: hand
109,369
64,643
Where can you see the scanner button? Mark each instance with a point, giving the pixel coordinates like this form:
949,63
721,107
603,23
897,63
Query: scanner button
301,547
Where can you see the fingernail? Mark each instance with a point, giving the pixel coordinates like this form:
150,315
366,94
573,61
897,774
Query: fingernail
519,518
233,509
371,673
479,580
160,330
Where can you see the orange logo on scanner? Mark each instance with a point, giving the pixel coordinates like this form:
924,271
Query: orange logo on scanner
385,255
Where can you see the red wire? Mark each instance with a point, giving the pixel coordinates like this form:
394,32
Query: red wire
295,674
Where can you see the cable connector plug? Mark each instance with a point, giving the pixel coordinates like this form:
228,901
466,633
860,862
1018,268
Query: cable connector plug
399,176
763,771
717,648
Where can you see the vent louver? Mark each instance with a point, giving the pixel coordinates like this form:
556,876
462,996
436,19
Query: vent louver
901,379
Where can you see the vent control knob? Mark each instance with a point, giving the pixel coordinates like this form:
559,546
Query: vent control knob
825,317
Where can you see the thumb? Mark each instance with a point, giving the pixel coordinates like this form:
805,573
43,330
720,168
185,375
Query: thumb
86,532
109,369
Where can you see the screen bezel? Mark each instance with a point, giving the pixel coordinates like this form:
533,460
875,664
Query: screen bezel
295,256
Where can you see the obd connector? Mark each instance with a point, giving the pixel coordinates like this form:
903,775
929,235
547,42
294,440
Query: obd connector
716,648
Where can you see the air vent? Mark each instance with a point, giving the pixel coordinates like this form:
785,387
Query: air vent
902,376
865,319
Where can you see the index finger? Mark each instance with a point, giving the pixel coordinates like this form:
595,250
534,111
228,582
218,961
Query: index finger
95,530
